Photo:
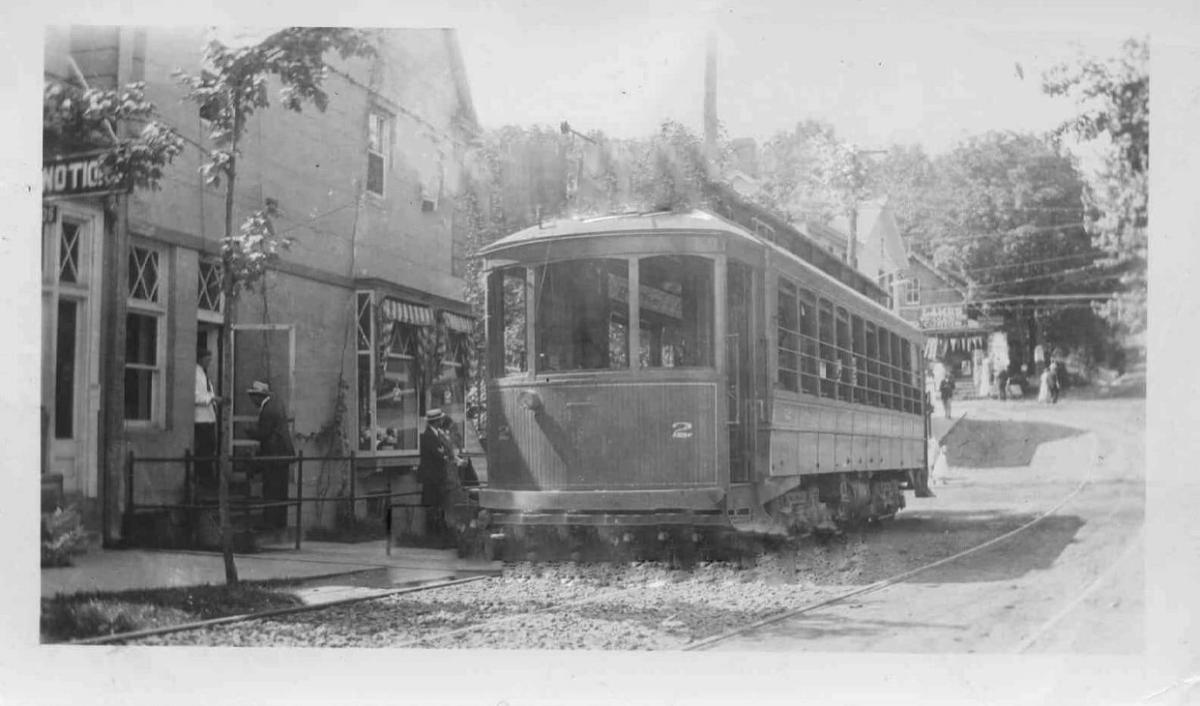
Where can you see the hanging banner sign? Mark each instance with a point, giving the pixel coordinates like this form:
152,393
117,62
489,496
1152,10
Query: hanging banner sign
939,317
77,175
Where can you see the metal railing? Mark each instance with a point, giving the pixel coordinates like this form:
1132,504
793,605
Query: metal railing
244,507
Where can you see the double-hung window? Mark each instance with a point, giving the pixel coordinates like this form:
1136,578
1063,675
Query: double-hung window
378,134
145,333
912,292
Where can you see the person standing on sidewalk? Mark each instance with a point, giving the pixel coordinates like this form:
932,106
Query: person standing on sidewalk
432,473
205,421
946,390
274,440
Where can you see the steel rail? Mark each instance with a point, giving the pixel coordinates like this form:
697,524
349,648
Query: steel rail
885,583
247,617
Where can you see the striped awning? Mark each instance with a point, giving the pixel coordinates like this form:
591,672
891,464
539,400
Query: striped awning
407,313
458,322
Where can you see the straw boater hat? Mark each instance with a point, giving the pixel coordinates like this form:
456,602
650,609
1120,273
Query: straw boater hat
258,387
433,415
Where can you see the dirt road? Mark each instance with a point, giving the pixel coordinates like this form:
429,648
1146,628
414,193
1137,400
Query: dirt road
1070,582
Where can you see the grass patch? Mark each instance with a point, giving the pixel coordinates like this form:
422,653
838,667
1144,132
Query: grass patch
85,615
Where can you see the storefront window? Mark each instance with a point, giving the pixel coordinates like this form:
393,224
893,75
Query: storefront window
395,339
582,315
675,295
397,404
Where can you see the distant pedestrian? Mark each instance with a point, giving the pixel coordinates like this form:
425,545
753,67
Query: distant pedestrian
1044,387
274,440
1002,383
1055,381
946,390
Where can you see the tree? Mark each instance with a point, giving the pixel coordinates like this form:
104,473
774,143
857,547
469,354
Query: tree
231,85
1113,97
794,165
80,118
1005,210
906,175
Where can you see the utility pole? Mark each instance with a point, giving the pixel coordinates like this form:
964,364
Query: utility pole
710,99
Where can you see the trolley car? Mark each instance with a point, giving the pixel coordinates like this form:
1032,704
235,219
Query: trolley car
676,370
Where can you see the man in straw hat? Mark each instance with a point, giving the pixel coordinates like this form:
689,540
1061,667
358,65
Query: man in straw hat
432,473
274,439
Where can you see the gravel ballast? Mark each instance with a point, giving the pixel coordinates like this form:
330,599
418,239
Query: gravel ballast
567,606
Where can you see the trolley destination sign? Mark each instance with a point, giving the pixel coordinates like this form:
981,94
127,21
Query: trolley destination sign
77,175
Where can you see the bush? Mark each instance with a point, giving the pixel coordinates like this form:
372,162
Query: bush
63,536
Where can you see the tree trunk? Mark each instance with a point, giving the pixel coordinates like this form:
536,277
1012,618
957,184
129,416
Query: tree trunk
228,290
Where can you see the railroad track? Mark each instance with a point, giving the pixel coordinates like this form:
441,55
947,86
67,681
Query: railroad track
904,576
249,617
500,625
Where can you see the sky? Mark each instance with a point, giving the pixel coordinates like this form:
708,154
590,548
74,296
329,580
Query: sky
929,74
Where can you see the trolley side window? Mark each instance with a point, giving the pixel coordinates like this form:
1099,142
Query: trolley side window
789,337
910,402
507,322
845,359
675,311
860,359
809,372
885,368
582,320
828,349
900,380
872,365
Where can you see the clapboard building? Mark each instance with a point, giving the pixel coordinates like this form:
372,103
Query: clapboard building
131,283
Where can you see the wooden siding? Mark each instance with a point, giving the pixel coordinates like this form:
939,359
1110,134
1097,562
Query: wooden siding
813,437
603,436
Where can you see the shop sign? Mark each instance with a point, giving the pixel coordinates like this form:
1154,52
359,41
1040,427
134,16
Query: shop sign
76,175
940,317
49,213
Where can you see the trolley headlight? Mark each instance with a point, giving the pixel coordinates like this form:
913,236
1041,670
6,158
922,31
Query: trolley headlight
529,400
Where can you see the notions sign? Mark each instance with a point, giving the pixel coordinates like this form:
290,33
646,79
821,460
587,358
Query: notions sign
78,175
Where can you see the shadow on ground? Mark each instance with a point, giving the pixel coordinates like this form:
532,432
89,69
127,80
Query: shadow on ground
914,541
1035,549
983,443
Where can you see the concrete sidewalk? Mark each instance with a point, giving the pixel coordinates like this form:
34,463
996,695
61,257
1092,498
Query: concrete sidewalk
125,569
940,427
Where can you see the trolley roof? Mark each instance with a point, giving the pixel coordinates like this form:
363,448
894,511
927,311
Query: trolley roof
670,222
622,224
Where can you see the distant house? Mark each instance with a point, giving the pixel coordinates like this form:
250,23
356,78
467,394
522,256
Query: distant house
131,287
879,250
938,302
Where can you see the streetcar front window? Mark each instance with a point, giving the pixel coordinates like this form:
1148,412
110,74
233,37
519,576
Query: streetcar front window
507,321
582,315
675,311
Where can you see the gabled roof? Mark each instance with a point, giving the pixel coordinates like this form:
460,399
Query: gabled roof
960,283
461,85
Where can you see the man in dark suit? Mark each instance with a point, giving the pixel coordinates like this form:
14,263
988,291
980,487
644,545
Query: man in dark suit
274,439
432,473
